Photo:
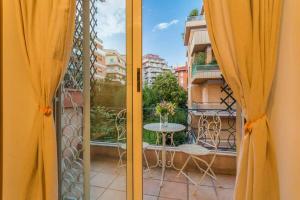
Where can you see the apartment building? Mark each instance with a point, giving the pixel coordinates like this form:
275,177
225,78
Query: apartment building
99,65
153,65
116,66
204,76
181,72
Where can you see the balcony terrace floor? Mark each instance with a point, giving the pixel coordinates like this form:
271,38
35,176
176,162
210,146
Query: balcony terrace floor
109,182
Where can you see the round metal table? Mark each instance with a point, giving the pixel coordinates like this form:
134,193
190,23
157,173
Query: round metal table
171,128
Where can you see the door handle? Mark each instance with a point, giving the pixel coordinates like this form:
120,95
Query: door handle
138,81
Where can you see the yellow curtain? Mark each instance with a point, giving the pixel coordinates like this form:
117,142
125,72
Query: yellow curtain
244,36
37,44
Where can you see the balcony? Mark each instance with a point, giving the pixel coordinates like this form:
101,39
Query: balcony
201,73
197,22
109,182
199,41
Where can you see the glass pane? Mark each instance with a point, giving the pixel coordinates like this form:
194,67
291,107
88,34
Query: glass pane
108,101
70,140
188,109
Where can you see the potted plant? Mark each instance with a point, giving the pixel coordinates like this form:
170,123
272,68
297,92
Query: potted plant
164,109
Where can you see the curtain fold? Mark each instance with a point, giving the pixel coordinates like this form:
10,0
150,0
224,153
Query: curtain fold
244,36
42,35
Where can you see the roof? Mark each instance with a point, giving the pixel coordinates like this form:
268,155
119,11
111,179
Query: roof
183,68
153,56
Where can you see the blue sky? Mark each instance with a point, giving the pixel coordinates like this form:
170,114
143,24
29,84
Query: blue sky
163,24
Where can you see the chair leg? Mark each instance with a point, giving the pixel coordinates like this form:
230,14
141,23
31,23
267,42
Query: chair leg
121,154
184,165
208,170
148,168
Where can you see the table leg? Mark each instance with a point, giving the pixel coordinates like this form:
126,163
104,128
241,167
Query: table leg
163,157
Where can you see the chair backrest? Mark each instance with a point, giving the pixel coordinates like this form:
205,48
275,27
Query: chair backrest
209,128
120,123
202,127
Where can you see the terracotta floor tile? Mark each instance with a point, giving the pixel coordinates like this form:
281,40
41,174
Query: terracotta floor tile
225,181
96,192
171,175
225,194
196,176
202,193
119,183
154,173
105,165
92,174
113,195
151,187
174,190
148,197
164,198
102,180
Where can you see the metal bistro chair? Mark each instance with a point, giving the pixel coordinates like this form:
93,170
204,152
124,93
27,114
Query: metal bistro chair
120,123
210,130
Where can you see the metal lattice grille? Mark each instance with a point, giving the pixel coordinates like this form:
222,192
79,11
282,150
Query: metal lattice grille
71,138
229,130
72,121
93,36
227,96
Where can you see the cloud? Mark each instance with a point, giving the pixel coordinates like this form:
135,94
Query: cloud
165,25
111,18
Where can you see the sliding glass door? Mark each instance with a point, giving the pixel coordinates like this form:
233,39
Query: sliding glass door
132,101
98,107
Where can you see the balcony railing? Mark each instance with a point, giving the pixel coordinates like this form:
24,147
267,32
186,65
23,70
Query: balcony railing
195,18
206,71
106,130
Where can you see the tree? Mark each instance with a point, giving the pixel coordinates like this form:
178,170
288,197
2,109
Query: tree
165,88
194,13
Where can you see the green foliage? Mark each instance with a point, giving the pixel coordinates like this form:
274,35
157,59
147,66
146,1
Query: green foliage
107,99
165,108
150,117
200,58
213,62
102,123
109,94
194,12
164,88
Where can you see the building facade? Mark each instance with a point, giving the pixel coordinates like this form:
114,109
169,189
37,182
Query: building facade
181,72
99,65
153,65
116,66
204,75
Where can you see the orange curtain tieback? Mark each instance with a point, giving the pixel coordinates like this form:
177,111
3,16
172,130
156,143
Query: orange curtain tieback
47,111
249,125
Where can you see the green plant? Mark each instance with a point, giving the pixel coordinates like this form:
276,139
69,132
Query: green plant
200,58
213,62
194,12
102,123
165,88
165,108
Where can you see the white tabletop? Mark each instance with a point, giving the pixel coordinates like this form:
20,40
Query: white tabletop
171,128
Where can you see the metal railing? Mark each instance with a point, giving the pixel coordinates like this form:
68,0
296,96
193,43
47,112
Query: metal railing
195,18
208,67
185,116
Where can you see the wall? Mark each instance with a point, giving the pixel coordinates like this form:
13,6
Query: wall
284,109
